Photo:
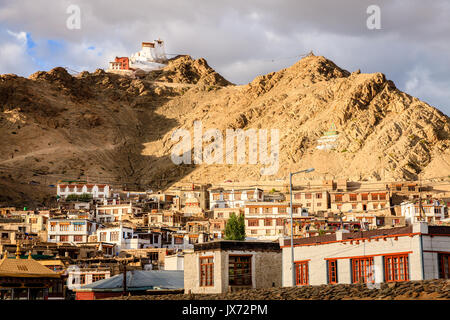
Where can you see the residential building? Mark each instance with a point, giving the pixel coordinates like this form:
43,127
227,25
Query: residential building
415,252
70,230
116,213
78,277
266,220
174,262
223,266
234,198
165,218
431,212
313,200
359,201
125,238
95,190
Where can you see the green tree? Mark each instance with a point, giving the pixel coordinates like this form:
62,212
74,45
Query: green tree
235,229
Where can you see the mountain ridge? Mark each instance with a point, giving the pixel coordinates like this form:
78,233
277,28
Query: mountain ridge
118,129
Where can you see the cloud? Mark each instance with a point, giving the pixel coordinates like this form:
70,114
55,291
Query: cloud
243,39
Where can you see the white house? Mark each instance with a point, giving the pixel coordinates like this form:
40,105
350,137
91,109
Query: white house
414,252
174,262
125,238
234,198
114,213
95,190
432,212
78,277
70,230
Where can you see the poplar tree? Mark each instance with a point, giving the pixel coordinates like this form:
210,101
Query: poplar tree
235,229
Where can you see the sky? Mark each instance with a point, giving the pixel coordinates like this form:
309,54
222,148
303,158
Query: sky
240,39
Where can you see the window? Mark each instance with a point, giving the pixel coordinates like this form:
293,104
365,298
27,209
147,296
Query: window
64,238
102,236
318,196
375,196
301,273
319,204
332,271
297,196
114,236
353,205
382,196
240,270
216,196
338,197
206,271
267,222
82,278
98,277
78,227
237,196
353,197
253,222
267,210
444,265
78,238
254,231
364,196
282,209
63,227
396,268
307,195
308,204
280,222
362,270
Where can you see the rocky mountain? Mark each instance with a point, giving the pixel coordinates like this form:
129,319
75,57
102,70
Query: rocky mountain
110,128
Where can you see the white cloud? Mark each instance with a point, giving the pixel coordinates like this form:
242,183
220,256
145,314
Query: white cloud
242,39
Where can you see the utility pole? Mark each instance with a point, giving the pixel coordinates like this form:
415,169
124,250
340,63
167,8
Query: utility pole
124,283
420,201
292,222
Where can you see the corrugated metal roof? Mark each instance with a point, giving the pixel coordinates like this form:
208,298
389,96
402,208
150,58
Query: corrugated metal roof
138,280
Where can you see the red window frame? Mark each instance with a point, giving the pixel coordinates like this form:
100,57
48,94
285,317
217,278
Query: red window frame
301,273
240,270
444,265
362,269
207,271
332,272
396,268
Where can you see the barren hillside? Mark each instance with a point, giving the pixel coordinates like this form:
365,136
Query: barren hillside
110,128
